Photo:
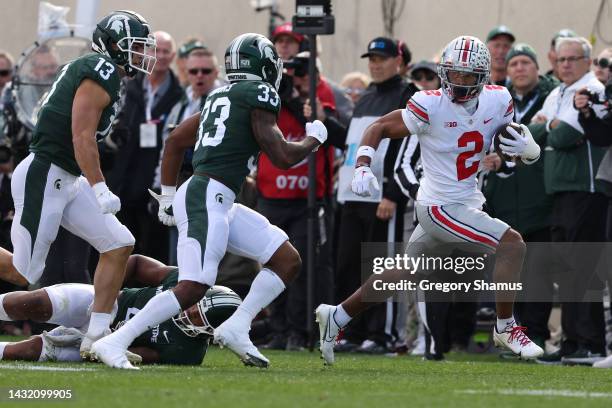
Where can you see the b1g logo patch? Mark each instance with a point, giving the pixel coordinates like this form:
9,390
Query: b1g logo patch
450,124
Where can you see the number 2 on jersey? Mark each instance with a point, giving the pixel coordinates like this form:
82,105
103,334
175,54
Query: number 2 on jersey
464,171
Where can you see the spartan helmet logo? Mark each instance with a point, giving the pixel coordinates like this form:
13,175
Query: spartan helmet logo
57,184
219,198
118,23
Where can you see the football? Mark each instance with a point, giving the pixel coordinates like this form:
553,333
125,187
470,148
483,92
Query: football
502,131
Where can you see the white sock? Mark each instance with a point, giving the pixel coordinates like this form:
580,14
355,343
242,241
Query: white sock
266,286
98,323
157,310
503,325
3,344
3,315
341,317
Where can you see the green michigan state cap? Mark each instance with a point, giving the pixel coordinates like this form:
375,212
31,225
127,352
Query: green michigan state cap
500,30
522,49
189,46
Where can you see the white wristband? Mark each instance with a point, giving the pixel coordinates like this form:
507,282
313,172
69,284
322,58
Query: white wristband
367,151
99,188
168,190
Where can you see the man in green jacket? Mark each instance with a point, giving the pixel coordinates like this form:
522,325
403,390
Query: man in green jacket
515,194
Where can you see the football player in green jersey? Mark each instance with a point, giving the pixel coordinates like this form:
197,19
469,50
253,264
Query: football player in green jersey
60,182
236,122
183,339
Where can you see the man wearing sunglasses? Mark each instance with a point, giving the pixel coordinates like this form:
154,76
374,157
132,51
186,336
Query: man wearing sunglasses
601,65
424,76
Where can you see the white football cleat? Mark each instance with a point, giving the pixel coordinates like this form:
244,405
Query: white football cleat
238,341
111,354
605,363
85,349
328,332
517,342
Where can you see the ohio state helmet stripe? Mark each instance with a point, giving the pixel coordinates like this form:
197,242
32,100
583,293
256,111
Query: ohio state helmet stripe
467,48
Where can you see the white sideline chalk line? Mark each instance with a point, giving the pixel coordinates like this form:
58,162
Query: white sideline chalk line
42,368
541,393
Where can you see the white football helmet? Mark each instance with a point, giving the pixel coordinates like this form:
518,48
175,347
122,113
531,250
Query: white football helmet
464,54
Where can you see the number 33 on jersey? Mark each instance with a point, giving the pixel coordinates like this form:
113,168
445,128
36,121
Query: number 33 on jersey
225,140
453,142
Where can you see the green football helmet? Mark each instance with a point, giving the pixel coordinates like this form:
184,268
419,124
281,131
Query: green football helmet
253,57
217,305
126,38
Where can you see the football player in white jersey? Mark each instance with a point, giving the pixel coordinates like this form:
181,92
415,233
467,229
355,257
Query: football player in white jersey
455,126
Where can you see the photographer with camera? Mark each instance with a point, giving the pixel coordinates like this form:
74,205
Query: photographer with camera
598,130
579,205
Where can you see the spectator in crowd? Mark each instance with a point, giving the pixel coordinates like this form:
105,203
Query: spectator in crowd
425,76
6,68
378,219
579,207
552,52
287,43
354,84
601,65
148,101
598,131
499,42
190,44
283,200
516,194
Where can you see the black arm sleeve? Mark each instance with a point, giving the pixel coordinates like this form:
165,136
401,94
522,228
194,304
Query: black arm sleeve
597,130
336,131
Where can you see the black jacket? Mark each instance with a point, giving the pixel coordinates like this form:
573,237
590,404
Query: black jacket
378,100
134,168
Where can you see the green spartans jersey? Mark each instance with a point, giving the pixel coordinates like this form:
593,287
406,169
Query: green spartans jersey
226,143
53,133
173,346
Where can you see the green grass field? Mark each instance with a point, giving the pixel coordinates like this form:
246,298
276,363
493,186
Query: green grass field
300,380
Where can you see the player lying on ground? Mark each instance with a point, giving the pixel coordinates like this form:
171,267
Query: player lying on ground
183,339
455,126
237,121
61,183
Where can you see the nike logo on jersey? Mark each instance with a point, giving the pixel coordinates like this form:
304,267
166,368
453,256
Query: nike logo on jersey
487,120
165,333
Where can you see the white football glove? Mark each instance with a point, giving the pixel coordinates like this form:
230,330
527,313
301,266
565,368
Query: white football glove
363,181
165,213
317,130
108,202
523,145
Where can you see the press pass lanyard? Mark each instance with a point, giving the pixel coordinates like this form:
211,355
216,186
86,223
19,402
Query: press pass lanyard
148,130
